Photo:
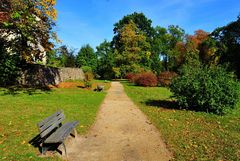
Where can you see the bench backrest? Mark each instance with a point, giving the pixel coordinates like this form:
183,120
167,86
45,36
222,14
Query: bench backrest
47,125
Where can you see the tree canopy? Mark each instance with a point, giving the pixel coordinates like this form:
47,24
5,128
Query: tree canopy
87,57
27,27
228,40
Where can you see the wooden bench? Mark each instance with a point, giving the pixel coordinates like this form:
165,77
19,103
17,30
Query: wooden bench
53,132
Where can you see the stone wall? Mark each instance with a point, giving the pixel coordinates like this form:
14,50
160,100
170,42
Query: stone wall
39,75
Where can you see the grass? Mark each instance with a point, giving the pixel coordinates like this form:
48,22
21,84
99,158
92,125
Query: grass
189,135
21,111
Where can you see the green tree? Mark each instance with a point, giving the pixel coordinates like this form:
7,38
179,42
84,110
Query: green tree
105,60
165,43
228,39
53,59
9,67
87,57
175,36
66,56
159,48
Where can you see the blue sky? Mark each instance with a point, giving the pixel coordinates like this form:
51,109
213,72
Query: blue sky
83,22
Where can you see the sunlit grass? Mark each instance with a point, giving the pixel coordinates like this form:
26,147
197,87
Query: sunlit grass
21,111
189,135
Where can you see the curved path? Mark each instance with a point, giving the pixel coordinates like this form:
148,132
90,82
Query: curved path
121,133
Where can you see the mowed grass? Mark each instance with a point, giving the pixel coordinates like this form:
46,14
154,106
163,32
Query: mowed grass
21,111
189,135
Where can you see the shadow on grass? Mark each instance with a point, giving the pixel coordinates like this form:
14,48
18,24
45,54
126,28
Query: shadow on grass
82,87
168,104
15,90
37,142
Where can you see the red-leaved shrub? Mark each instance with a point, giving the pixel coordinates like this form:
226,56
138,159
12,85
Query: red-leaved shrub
165,78
130,77
146,79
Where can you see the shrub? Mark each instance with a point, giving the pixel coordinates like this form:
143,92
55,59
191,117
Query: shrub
146,79
130,77
86,69
88,78
165,78
87,84
206,89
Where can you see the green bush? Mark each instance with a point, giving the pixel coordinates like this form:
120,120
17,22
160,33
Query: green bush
212,90
87,84
86,69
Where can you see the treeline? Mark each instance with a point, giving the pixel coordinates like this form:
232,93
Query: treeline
137,46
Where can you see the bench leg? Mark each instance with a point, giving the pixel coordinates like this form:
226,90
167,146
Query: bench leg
74,133
65,150
44,150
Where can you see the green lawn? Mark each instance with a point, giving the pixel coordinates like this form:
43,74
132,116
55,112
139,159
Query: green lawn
19,114
189,135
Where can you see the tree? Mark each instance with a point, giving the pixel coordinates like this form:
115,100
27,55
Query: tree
9,70
66,56
27,24
142,22
159,48
165,43
132,51
175,35
228,41
53,59
208,52
87,57
105,60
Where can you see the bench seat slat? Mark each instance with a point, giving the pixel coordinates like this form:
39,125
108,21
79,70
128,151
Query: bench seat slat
52,122
51,127
40,124
61,133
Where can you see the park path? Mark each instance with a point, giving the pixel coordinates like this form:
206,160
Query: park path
121,133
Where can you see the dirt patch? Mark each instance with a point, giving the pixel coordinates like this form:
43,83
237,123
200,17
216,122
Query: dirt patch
121,133
70,85
81,85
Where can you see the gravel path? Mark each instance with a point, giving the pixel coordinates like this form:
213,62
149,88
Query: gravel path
121,133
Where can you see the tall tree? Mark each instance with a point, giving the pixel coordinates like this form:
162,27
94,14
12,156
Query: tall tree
105,60
228,38
87,57
140,20
28,26
133,49
204,46
164,45
66,56
159,47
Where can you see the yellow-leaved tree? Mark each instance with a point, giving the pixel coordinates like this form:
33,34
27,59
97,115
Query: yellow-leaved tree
132,50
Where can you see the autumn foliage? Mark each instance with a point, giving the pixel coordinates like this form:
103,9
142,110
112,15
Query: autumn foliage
3,16
198,38
130,77
165,78
146,79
